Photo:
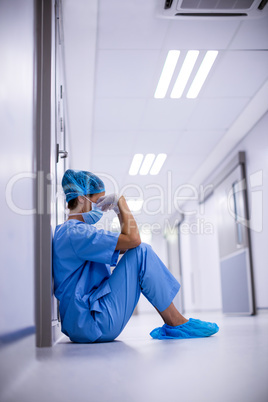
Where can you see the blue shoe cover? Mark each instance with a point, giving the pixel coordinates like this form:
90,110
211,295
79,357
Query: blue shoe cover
191,329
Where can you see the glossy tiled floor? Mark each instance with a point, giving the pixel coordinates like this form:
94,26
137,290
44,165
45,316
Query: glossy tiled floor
231,366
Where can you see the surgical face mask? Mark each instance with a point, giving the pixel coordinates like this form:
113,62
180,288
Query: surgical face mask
92,216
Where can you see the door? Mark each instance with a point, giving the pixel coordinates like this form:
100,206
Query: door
50,148
59,146
234,244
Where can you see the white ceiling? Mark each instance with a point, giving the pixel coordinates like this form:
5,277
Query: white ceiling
132,44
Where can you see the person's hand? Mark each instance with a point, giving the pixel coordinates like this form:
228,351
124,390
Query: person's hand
108,202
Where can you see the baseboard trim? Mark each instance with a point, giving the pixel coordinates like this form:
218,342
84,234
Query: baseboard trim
16,335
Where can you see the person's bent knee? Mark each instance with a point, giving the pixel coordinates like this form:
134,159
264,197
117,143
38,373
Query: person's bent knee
141,246
144,246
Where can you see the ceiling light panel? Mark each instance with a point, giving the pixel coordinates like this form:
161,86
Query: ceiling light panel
167,73
202,73
184,74
147,163
135,164
158,163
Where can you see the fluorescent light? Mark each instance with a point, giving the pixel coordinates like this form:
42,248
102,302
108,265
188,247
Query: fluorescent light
184,74
202,73
147,163
135,165
150,164
167,73
135,205
158,163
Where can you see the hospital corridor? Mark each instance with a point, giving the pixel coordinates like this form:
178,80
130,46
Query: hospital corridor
134,193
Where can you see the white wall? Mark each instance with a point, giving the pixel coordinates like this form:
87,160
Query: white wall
16,156
200,258
208,259
255,144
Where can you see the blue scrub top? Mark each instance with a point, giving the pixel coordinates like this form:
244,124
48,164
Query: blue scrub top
82,257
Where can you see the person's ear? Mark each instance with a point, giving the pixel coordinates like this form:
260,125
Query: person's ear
81,199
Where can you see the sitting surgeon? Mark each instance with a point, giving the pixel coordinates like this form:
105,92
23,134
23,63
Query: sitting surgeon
95,305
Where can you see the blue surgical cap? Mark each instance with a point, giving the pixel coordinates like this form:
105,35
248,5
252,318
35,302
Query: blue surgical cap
80,182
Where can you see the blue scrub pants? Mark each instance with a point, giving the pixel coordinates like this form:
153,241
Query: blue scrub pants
140,270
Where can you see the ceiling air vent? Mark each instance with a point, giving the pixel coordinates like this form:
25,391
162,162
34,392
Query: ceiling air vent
241,9
262,4
168,4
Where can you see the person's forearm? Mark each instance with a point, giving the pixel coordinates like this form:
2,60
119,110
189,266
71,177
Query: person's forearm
127,221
